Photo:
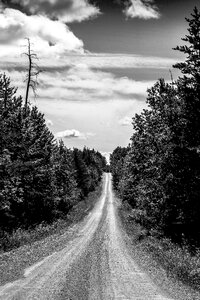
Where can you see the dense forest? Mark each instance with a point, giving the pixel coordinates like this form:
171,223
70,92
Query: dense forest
40,179
158,174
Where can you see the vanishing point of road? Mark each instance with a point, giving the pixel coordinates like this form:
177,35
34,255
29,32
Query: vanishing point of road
95,265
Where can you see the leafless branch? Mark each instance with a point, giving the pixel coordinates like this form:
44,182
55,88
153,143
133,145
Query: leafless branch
32,73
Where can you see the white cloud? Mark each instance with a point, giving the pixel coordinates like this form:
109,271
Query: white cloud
110,60
63,62
81,83
68,134
143,9
107,156
49,37
71,74
81,10
126,121
73,133
64,10
49,123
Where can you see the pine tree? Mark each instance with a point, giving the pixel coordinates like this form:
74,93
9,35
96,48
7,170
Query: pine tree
191,66
116,163
10,123
189,84
40,180
66,193
160,177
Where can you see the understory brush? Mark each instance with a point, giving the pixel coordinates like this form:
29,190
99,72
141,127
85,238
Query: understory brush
21,237
177,260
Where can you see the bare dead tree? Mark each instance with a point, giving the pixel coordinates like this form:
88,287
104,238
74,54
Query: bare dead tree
32,73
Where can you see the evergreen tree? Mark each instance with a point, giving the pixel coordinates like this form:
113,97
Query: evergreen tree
82,173
160,176
66,191
39,180
116,164
189,84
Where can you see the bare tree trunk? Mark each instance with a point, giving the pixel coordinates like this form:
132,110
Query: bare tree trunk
29,75
32,73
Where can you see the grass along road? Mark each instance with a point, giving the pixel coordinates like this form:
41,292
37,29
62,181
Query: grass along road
95,263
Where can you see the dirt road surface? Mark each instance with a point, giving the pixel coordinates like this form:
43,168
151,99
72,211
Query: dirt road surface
95,265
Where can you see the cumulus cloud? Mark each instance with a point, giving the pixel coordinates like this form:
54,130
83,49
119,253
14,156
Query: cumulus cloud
64,10
126,121
73,133
48,36
49,123
143,9
107,156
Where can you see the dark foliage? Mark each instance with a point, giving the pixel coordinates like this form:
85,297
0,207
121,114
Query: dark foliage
40,180
89,165
117,162
160,174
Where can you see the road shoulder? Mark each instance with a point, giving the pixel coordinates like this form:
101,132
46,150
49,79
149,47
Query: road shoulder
13,264
144,258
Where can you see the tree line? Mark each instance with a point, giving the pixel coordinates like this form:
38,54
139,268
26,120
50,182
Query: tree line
158,174
40,178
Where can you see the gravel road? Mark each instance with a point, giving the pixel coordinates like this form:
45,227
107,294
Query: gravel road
95,265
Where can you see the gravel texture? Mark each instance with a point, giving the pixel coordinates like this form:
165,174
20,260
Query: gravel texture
92,260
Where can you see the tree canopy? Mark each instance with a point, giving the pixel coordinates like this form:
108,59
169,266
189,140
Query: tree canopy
160,174
40,179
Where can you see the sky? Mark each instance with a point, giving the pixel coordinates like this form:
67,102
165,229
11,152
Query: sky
97,59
